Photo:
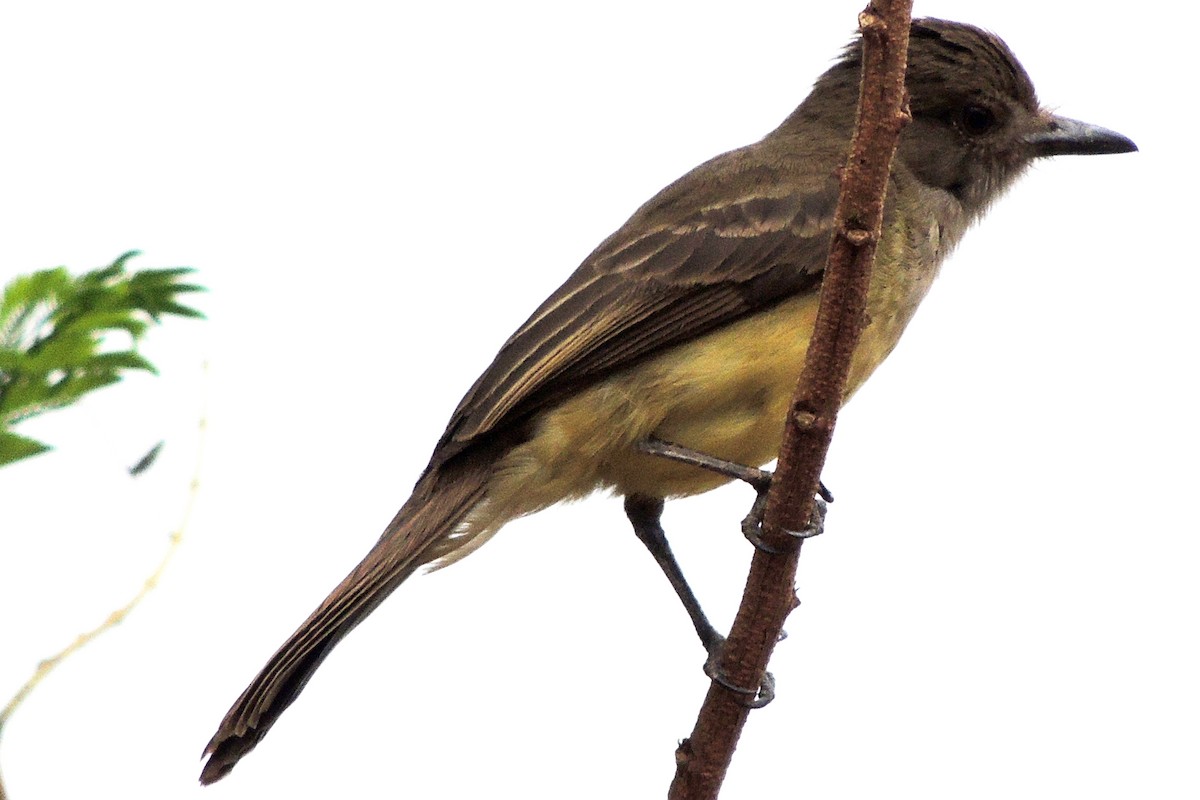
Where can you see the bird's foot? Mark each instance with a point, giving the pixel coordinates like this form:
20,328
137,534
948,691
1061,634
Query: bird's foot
752,524
748,697
759,479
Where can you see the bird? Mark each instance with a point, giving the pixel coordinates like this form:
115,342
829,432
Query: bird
688,327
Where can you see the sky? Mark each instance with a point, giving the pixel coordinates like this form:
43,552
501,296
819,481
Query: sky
1003,604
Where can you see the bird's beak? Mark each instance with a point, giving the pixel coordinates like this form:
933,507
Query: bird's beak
1059,136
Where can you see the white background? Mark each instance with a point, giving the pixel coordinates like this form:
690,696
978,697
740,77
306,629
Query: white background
1005,601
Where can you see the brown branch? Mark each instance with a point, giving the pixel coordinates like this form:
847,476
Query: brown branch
703,758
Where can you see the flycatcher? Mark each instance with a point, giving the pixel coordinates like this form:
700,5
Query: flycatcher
689,325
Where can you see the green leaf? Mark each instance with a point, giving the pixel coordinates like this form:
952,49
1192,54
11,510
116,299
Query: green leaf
14,447
126,359
55,329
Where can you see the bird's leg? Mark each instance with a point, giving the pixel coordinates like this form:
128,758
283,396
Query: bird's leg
759,479
645,513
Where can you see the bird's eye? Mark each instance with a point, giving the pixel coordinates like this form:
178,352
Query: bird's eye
977,120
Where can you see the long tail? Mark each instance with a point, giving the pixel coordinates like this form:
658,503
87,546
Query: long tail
418,534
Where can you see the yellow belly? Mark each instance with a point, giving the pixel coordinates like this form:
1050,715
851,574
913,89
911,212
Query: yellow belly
725,394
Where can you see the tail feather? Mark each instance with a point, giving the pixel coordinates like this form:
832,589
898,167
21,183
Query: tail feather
440,502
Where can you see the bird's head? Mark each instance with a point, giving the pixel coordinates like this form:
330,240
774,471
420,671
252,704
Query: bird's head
976,121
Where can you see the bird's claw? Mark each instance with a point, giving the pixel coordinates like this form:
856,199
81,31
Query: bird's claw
747,697
816,522
752,524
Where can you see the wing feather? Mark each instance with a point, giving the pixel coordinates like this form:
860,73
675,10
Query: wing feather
661,280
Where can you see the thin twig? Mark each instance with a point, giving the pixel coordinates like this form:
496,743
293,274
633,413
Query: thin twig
47,665
703,758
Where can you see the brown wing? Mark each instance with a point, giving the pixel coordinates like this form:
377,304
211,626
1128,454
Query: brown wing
654,284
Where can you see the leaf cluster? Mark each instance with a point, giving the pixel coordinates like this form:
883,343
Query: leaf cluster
57,337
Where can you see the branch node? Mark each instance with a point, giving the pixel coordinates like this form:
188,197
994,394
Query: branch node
683,753
870,21
857,236
804,419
